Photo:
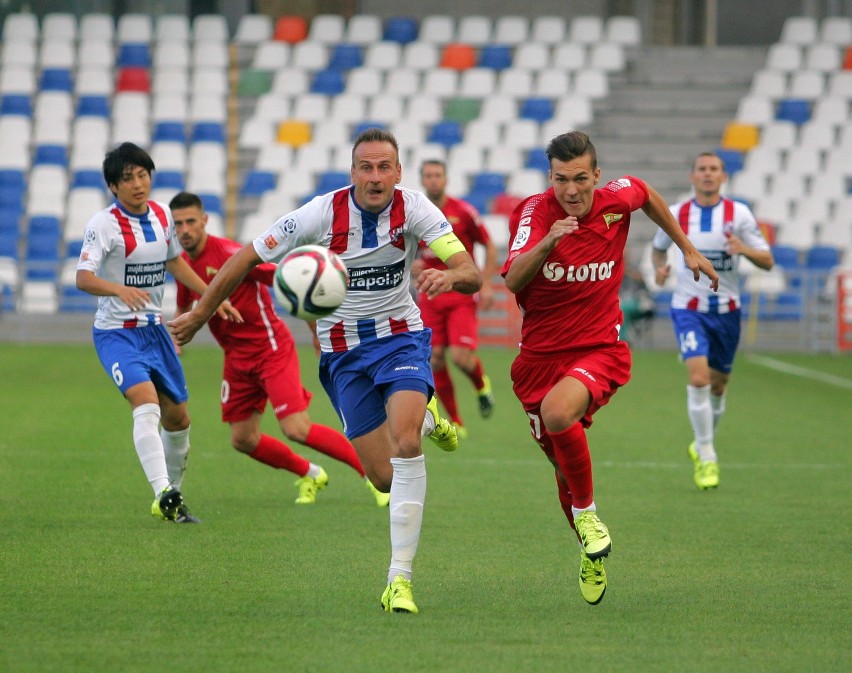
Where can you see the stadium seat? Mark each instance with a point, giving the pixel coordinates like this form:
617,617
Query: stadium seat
291,29
50,154
329,82
797,111
253,29
133,55
87,178
799,30
836,30
346,56
92,106
271,55
511,30
537,159
57,54
755,109
807,84
172,28
327,29
458,56
531,56
96,26
495,56
212,203
210,132
134,28
20,27
133,79
328,181
401,29
474,29
56,79
445,133
254,82
310,107
490,183
257,182
95,81
364,81
363,29
784,57
383,56
537,109
733,159
19,54
741,137
437,29
586,30
210,55
823,58
822,258
16,104
420,56
171,55
461,110
624,30
294,133
210,28
95,53
477,82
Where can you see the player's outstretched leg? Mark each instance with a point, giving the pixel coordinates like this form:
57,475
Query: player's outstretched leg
398,596
440,430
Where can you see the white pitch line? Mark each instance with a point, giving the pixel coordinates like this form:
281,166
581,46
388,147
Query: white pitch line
778,365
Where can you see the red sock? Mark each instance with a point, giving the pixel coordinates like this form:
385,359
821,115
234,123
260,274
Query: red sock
575,463
476,375
332,443
445,392
277,454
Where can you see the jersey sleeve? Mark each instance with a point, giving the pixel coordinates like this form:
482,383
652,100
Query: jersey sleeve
97,242
747,228
426,220
661,240
299,227
527,226
632,191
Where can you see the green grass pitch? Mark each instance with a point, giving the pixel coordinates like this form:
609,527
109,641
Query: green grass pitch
751,577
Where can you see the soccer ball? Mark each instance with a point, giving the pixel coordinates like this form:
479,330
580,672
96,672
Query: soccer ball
310,282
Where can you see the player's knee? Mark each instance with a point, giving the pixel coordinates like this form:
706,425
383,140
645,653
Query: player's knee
296,427
244,443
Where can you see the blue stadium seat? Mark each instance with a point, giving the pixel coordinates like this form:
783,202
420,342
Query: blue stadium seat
12,199
489,183
16,104
360,127
537,109
784,306
480,200
169,131
212,203
795,110
56,79
45,225
402,29
42,256
495,56
258,182
537,158
88,177
445,133
73,249
822,258
12,177
50,154
787,258
168,180
93,106
132,55
208,132
7,299
329,81
8,245
733,159
331,180
10,228
72,300
346,57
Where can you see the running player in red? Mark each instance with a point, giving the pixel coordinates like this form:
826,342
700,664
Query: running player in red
565,266
452,315
261,363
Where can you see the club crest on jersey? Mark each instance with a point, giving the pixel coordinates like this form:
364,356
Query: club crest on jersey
211,271
609,218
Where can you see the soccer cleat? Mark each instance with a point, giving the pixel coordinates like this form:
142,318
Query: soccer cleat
398,596
185,516
593,535
444,435
382,499
167,505
310,486
592,579
706,473
486,398
461,431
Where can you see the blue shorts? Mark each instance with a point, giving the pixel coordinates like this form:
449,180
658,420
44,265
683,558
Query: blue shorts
139,354
359,382
713,335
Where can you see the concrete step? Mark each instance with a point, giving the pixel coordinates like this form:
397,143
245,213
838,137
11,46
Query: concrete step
665,98
647,124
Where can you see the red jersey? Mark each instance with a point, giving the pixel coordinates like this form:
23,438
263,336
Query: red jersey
262,330
467,226
572,301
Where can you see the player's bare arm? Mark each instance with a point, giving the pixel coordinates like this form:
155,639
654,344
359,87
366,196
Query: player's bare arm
461,276
135,298
662,269
486,292
762,259
184,327
657,209
183,272
526,265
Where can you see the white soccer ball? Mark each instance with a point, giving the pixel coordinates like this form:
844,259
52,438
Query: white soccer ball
310,282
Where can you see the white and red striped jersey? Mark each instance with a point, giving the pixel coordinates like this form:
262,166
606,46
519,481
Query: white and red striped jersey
709,227
378,249
131,250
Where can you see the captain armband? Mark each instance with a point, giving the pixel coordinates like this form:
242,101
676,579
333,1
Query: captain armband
446,246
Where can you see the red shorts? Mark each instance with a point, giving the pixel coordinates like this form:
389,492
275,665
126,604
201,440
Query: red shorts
452,318
602,369
248,382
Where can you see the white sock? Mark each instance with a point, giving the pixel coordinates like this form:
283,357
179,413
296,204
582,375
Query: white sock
313,471
701,416
407,497
176,448
718,404
577,512
149,446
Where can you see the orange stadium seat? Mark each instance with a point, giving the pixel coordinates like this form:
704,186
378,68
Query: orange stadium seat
291,29
458,56
740,136
294,133
847,59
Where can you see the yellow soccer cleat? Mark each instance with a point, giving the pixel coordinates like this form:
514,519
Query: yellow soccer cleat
706,473
444,435
593,535
382,499
592,579
166,506
310,486
398,596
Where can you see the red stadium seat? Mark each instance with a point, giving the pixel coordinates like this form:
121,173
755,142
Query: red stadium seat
133,79
291,29
458,56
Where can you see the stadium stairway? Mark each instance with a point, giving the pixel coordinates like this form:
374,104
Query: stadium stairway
670,104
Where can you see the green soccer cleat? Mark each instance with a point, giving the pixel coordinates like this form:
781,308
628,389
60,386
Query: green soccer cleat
167,505
706,473
461,431
593,535
382,499
310,486
592,579
444,435
485,398
398,596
